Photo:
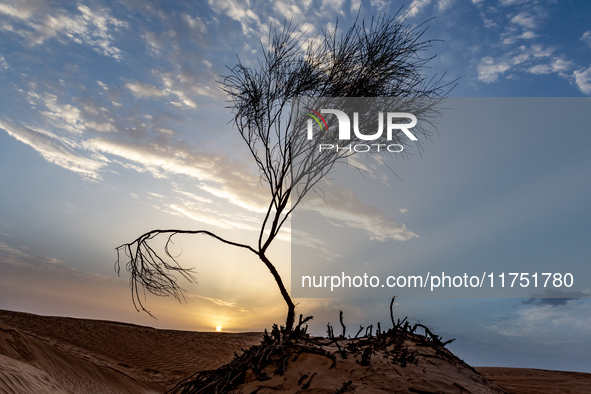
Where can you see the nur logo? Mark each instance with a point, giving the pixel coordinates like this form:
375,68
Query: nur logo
344,125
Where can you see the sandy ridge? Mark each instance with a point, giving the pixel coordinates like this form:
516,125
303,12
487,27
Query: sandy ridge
42,354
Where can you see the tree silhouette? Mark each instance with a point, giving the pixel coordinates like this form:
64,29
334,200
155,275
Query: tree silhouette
381,58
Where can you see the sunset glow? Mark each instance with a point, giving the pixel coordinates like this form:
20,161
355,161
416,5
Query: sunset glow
112,123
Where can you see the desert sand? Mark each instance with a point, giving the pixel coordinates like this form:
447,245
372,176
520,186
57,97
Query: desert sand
40,354
538,381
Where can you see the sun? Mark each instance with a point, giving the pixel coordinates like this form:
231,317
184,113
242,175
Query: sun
218,328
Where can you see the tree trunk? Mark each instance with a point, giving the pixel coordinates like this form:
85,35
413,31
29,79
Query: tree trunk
290,320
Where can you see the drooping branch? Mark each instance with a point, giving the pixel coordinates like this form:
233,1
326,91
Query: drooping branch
155,274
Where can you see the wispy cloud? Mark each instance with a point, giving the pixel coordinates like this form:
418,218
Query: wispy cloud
522,48
525,20
208,216
219,302
522,27
91,140
195,23
343,206
507,3
535,59
11,255
417,6
140,90
554,298
379,5
490,70
92,27
11,251
557,65
64,116
586,38
56,150
193,196
220,176
239,11
443,5
539,51
177,87
3,64
583,80
287,10
537,321
20,10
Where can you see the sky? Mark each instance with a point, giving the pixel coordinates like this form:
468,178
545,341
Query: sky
112,124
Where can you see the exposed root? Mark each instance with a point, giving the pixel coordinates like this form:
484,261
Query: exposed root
278,348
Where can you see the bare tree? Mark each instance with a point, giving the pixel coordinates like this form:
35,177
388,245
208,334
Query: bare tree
379,59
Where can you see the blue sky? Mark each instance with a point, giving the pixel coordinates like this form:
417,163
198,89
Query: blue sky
112,123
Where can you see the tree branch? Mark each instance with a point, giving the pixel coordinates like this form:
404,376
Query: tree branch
151,272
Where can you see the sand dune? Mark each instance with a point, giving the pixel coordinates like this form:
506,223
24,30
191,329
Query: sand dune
434,370
538,381
33,365
40,354
59,353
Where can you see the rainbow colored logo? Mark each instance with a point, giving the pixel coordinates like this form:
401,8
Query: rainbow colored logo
316,119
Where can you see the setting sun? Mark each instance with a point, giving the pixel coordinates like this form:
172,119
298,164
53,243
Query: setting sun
218,328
